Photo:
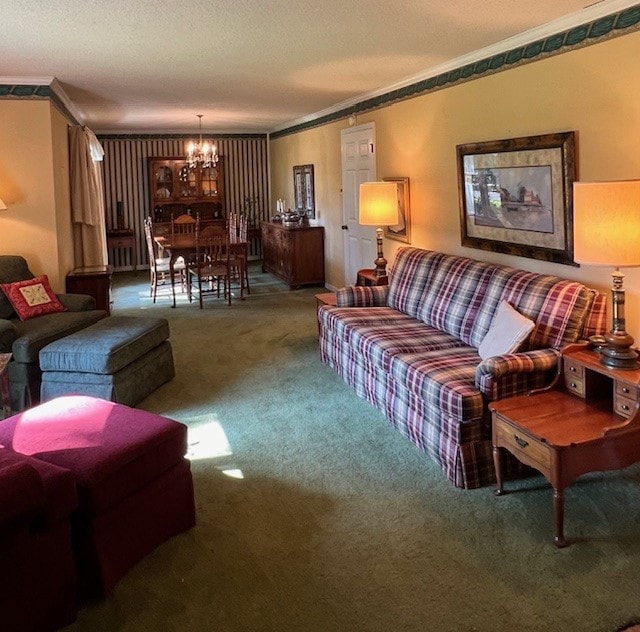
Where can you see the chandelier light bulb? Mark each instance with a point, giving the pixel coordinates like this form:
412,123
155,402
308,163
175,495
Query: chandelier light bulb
204,154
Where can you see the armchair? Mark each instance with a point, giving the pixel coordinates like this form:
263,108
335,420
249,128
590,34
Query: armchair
25,339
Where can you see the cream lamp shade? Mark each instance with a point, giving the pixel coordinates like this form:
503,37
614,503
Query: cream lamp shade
606,220
3,206
378,204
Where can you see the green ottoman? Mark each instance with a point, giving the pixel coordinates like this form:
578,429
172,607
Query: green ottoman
120,358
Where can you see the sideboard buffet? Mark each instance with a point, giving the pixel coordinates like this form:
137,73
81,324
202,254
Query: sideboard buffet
293,254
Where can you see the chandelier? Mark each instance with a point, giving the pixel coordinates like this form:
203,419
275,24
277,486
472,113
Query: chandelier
204,154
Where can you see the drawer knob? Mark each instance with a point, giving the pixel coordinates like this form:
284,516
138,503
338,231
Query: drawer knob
625,407
572,369
573,385
521,442
625,390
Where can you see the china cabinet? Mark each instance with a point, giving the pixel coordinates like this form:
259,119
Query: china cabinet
175,188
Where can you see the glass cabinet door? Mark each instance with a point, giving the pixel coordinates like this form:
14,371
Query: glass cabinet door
209,182
188,182
163,179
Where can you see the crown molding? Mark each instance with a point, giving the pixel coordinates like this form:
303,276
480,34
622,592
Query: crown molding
42,88
589,16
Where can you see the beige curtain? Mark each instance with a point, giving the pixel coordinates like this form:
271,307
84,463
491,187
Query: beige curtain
87,198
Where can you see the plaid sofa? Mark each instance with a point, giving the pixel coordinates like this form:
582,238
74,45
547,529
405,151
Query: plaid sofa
410,349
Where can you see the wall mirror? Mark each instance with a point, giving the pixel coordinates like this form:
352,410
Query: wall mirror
303,189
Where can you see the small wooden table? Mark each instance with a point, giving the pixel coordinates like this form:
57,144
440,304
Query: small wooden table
324,298
124,238
588,421
94,281
368,277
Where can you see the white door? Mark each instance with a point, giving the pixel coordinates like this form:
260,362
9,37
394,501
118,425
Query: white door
357,146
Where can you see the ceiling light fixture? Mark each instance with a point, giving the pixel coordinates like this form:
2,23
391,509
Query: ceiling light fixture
203,154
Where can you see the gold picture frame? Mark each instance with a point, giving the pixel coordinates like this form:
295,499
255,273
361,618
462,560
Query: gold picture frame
402,230
516,196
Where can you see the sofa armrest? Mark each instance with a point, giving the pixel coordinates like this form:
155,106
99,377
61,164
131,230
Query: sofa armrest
516,373
362,296
8,334
77,302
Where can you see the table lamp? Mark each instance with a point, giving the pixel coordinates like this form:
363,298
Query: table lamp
606,220
378,207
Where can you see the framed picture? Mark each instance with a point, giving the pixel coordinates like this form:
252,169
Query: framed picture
303,190
516,196
402,230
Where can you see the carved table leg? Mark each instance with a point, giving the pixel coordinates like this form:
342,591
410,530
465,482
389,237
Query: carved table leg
558,506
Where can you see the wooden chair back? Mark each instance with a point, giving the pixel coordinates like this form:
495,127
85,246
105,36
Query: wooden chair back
211,267
184,224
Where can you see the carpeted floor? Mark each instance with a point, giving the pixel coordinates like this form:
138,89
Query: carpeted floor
315,516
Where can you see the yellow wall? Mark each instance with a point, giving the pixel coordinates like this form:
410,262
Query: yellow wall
34,184
594,91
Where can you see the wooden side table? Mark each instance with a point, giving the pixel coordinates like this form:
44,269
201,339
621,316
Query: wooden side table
589,421
368,277
4,385
324,298
124,238
94,281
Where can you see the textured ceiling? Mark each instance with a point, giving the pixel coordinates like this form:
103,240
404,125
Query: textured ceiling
249,65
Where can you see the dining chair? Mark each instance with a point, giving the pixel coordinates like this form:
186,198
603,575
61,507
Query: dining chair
238,230
184,224
158,265
211,266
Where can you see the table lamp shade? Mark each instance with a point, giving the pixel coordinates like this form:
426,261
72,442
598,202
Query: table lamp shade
606,220
378,204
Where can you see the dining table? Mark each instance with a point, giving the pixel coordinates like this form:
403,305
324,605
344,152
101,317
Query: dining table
184,245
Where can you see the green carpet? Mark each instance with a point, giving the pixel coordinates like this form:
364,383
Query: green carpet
314,515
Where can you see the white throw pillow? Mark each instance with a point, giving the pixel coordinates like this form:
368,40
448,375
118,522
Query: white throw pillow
509,329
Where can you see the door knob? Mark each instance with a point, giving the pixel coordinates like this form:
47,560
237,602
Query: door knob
345,227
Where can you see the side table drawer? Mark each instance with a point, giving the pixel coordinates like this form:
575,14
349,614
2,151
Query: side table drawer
574,377
625,398
523,447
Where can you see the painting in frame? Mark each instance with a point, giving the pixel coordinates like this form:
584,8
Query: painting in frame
303,189
402,230
516,196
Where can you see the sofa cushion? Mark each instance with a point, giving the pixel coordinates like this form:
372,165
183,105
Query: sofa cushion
379,343
37,333
12,268
452,300
409,278
558,307
445,378
341,320
32,297
105,347
507,333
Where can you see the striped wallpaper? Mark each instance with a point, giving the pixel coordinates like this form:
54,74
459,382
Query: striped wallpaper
126,180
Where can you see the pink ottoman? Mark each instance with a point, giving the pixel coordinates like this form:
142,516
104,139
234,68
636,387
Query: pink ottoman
134,484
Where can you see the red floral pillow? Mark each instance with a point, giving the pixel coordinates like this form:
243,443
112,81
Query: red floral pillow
33,297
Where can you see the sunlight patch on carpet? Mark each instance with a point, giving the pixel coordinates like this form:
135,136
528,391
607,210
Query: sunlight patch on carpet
207,440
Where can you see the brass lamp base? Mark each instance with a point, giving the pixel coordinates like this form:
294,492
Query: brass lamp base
380,262
617,353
